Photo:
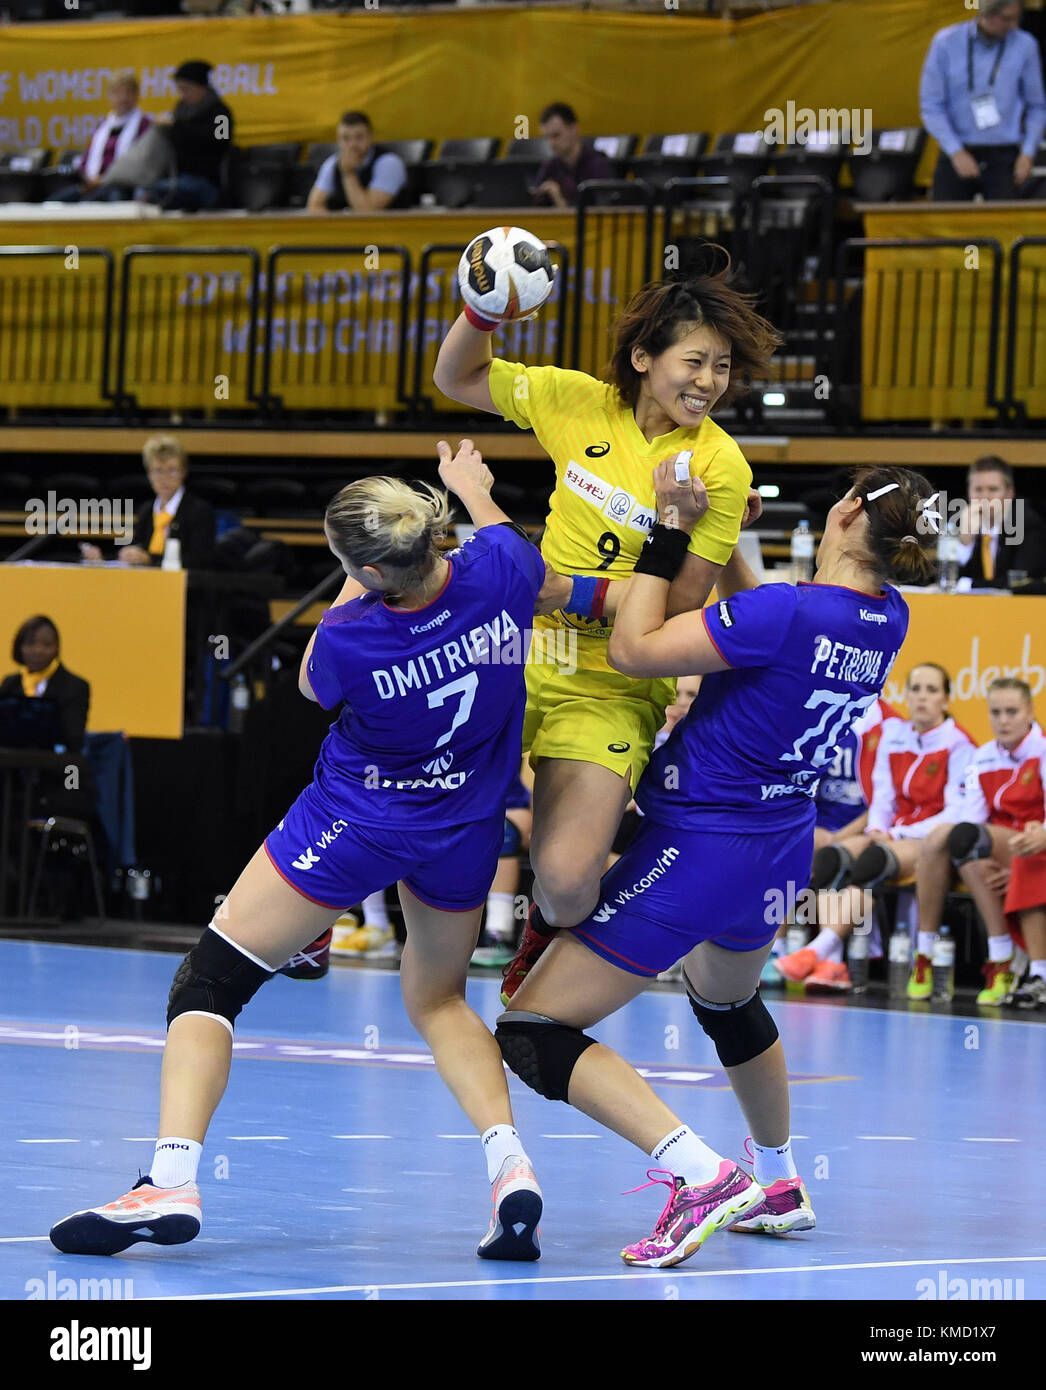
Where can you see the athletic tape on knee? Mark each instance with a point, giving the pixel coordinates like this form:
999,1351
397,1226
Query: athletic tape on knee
967,842
510,840
215,978
739,1031
875,865
540,1051
830,868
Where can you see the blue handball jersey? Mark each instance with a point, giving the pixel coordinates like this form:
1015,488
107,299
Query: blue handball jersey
806,662
432,725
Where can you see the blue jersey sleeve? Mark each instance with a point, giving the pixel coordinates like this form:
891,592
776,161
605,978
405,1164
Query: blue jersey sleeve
522,553
751,627
321,673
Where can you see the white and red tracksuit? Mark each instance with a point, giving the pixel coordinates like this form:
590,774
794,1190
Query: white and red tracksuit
869,730
917,780
1006,788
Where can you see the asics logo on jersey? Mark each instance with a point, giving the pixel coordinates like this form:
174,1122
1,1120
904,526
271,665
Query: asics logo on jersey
597,451
437,621
872,617
306,860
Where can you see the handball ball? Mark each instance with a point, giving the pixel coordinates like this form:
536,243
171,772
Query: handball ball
505,274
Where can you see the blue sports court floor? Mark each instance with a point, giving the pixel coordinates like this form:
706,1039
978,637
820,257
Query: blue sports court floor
339,1167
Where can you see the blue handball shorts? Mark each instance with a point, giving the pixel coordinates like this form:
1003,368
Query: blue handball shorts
335,863
675,888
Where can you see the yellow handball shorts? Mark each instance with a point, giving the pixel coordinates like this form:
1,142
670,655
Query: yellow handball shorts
600,717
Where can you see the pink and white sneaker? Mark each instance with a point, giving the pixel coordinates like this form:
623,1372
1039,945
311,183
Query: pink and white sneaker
785,1208
514,1230
158,1215
692,1214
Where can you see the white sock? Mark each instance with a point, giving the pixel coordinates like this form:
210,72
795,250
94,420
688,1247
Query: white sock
175,1161
500,1142
1038,968
771,1164
926,940
500,921
1000,948
375,913
683,1154
826,945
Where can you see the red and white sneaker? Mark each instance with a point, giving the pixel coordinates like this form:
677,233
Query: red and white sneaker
514,1230
830,975
158,1215
532,945
312,962
798,965
784,1209
692,1214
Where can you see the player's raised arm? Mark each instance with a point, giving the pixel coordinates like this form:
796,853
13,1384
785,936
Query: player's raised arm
463,365
468,477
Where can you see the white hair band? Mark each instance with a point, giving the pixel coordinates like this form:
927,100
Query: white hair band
879,491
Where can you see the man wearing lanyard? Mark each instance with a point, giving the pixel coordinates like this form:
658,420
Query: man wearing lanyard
981,98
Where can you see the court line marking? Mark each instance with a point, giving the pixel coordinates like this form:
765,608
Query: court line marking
977,1140
361,1136
257,1136
17,1240
893,1138
49,1141
667,1275
140,1138
574,1136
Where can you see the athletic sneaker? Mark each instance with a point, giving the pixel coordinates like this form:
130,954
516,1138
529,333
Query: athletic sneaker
830,974
312,962
999,981
514,1231
771,977
691,1214
159,1215
798,965
920,981
371,943
344,929
492,951
530,950
1030,995
785,1208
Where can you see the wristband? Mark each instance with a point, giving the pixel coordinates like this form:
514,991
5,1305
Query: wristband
587,596
663,553
484,325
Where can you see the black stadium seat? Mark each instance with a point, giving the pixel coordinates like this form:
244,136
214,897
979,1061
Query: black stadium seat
21,175
473,151
504,183
260,176
667,157
740,156
527,149
617,148
821,154
887,172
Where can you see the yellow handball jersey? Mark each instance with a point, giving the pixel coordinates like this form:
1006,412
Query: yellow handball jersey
603,504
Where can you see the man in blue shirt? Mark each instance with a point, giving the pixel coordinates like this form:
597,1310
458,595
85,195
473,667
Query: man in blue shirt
357,178
981,98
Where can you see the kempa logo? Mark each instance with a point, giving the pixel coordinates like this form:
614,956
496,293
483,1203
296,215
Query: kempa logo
872,617
76,1343
306,860
437,621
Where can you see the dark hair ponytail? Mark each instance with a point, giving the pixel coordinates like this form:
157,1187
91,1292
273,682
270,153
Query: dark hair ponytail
902,534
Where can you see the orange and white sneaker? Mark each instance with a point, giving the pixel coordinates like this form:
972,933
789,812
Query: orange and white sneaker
159,1215
830,974
514,1231
798,965
785,1208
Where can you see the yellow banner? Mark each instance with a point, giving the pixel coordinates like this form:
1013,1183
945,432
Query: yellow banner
122,630
481,72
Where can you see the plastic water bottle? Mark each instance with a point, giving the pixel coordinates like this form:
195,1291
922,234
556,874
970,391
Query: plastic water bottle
948,560
900,961
795,938
802,553
943,966
858,958
172,554
239,702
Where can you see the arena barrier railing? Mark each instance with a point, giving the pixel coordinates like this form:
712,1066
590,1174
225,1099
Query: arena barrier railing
1026,331
56,316
335,336
917,332
609,268
181,344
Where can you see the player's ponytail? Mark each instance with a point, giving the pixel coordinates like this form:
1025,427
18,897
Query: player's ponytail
389,522
902,527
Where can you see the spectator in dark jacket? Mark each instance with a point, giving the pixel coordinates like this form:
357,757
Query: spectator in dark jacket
41,675
1003,536
571,161
200,130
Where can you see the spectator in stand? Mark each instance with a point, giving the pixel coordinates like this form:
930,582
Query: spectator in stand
174,513
41,675
200,131
981,98
917,783
125,124
357,178
570,160
998,847
1005,536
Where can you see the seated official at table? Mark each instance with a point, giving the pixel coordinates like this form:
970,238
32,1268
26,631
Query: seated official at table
41,675
1005,537
173,514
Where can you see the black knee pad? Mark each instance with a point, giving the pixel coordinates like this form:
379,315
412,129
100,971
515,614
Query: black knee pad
214,978
540,1051
830,868
740,1031
874,865
967,842
510,840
